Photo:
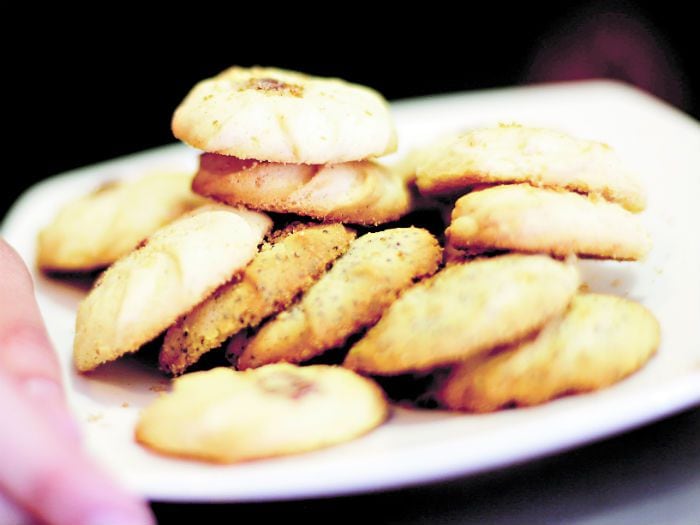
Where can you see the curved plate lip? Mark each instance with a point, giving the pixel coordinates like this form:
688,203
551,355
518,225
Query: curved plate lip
451,463
571,422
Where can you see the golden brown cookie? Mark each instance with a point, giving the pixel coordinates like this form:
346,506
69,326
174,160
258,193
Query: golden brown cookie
95,230
465,310
597,342
522,218
226,416
351,296
541,157
143,293
355,192
283,116
283,269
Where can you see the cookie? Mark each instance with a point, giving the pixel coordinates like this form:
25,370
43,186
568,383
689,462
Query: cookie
522,218
283,116
351,296
282,270
97,229
541,157
355,192
598,341
464,310
142,294
226,416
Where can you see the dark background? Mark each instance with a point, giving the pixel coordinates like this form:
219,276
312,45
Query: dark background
110,85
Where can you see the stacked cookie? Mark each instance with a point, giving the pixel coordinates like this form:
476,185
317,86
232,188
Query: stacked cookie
284,142
535,191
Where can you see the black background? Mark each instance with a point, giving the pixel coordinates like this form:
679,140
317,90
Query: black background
109,85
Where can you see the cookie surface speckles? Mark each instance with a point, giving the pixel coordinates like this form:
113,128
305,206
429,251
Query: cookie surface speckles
287,266
351,296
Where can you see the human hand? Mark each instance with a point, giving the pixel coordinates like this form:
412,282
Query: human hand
45,476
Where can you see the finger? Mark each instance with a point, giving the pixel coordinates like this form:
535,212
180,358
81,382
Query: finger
43,470
42,473
25,350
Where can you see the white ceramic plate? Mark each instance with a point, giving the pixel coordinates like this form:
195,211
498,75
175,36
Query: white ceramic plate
414,447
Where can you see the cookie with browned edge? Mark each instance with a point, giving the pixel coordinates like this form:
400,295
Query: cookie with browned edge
285,267
350,297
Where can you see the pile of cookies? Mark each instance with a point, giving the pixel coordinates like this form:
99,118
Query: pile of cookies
536,191
284,142
322,281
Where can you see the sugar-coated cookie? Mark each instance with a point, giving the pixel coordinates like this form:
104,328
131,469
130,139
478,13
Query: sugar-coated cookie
143,293
287,266
351,296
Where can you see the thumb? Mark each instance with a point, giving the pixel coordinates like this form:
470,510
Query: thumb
52,478
42,468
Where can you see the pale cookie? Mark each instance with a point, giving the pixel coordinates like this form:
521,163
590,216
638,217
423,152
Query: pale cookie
463,311
143,293
226,416
351,296
597,342
283,269
522,218
356,192
541,157
284,116
97,229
